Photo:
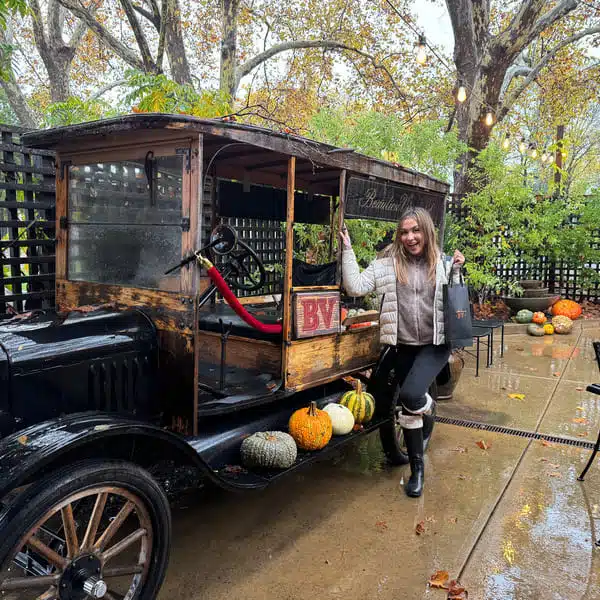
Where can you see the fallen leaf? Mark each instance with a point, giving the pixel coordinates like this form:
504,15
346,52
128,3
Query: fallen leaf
543,459
420,528
579,408
583,434
519,349
381,525
453,520
579,420
547,443
483,445
22,439
517,396
508,552
438,580
555,474
557,374
554,465
431,520
459,449
579,389
456,591
462,477
595,511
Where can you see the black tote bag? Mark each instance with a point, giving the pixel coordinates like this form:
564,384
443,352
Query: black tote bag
457,314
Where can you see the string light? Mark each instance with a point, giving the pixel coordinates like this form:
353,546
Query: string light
461,95
533,151
489,118
421,53
522,146
506,142
544,156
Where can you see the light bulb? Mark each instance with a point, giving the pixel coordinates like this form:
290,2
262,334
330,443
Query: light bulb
522,146
534,153
544,157
421,55
506,143
550,159
461,95
489,119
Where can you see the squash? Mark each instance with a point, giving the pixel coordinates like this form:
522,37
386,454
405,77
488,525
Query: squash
562,324
342,420
310,427
269,450
567,308
539,318
361,404
524,316
548,328
533,329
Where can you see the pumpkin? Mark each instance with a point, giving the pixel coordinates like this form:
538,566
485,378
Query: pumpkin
269,450
361,404
534,329
539,318
562,324
567,308
342,420
548,328
524,316
310,427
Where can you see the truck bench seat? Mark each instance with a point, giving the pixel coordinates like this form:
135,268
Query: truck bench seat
210,315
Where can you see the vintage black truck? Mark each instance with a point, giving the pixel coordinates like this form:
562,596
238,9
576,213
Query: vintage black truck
144,380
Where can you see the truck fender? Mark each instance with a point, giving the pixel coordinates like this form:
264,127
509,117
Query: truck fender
31,452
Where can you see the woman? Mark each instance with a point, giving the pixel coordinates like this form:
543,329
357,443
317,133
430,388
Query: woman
409,277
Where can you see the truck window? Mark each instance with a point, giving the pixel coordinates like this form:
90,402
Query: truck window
125,220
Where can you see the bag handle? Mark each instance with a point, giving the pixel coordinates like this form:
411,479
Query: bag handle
461,278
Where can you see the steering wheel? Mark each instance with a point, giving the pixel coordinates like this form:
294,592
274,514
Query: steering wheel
242,269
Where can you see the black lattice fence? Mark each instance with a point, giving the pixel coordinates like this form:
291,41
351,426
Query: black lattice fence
562,278
27,202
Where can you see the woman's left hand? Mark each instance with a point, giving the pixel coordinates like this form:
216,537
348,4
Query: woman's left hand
458,258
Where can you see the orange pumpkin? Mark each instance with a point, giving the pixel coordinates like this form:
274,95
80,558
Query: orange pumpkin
310,427
567,308
539,318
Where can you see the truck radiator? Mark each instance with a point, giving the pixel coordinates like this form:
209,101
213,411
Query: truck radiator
119,384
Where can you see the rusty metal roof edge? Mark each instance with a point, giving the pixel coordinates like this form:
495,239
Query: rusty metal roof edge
52,138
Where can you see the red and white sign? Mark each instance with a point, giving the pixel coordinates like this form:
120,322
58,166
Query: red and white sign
316,313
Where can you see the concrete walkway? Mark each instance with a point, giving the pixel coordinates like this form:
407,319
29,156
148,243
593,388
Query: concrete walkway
510,521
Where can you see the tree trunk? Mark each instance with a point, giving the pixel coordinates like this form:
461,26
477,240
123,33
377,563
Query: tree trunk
18,103
58,66
229,47
180,68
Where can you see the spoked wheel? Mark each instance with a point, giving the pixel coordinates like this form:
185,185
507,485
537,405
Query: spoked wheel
94,530
392,434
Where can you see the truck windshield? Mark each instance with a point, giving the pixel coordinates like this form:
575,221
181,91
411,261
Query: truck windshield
125,220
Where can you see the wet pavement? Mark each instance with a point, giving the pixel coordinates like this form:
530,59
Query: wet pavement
511,521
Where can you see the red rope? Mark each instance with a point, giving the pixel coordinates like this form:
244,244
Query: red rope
230,298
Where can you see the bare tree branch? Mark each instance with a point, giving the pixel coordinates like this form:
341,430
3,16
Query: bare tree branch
255,61
100,92
153,17
103,34
535,71
140,38
162,36
38,25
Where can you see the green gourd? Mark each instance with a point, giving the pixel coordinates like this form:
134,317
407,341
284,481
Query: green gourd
536,330
524,316
269,450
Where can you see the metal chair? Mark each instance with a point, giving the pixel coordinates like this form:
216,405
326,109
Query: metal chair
478,333
594,388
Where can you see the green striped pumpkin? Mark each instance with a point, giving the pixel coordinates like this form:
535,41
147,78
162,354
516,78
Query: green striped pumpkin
361,404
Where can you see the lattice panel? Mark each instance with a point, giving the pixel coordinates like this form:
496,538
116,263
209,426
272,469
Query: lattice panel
27,227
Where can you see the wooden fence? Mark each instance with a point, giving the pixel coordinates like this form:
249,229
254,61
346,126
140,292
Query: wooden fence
26,224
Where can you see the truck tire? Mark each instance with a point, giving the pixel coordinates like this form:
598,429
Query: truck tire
93,529
392,436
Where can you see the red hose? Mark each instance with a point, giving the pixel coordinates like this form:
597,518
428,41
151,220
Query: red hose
230,298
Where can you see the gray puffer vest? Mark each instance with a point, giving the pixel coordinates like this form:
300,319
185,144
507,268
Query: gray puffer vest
380,277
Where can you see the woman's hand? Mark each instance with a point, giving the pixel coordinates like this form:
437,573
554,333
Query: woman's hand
345,237
458,258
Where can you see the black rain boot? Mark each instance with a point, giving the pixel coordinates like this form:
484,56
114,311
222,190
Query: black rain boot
414,446
428,423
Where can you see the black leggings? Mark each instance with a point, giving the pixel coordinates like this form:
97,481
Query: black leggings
417,367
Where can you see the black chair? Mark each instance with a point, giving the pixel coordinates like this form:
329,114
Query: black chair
478,334
594,388
490,324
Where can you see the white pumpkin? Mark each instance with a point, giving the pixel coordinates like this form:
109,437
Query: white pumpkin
342,420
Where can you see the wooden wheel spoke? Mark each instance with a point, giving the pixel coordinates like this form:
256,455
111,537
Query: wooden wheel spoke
114,526
92,528
121,571
70,529
50,555
123,544
23,583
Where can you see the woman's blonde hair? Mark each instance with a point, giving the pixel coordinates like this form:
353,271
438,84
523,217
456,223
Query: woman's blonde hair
431,253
